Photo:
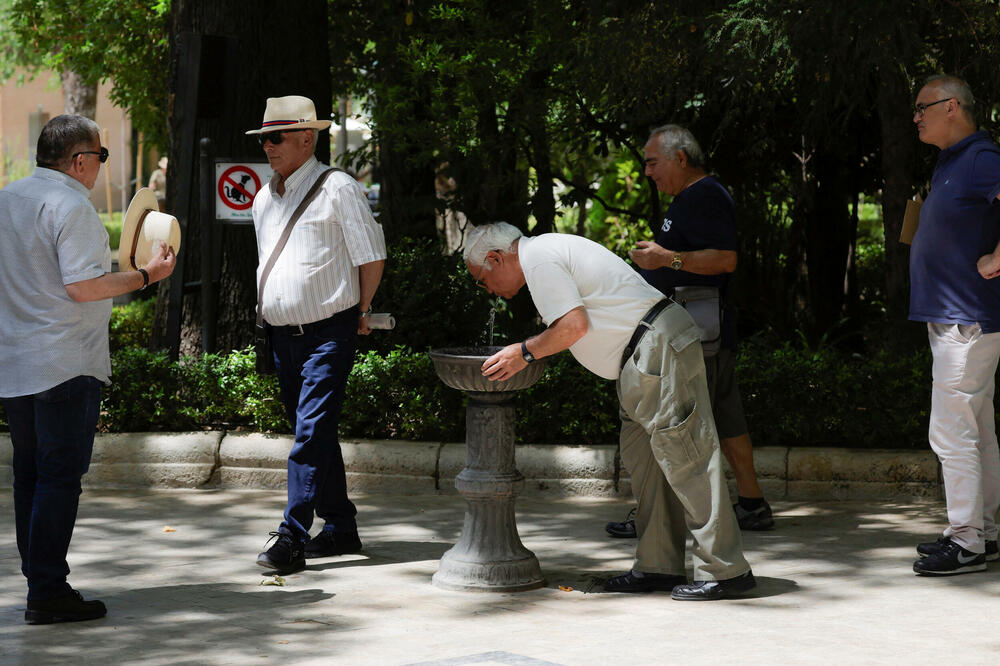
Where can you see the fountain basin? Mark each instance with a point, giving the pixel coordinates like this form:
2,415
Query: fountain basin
489,556
462,368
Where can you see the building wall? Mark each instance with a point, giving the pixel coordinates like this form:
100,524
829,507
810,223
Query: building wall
43,94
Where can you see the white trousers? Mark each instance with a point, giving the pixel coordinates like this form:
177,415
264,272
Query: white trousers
962,430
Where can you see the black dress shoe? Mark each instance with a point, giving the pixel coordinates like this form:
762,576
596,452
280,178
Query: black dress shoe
623,530
328,544
710,590
648,582
68,608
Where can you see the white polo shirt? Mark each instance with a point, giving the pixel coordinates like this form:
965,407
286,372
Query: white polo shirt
316,275
50,236
564,271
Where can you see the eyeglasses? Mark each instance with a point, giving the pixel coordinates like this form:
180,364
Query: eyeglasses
102,154
479,278
918,109
275,137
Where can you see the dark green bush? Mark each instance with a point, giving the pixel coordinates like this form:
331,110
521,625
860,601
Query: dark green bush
828,397
131,324
399,396
225,390
142,395
568,404
793,396
434,299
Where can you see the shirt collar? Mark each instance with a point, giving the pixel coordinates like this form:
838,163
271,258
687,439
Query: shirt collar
60,177
956,148
297,176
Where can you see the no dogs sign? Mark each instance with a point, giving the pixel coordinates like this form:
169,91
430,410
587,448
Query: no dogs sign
236,185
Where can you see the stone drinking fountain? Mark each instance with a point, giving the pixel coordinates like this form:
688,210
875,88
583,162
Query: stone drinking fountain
489,556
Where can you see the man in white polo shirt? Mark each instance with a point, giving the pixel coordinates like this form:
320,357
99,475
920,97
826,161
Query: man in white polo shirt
55,303
619,327
315,299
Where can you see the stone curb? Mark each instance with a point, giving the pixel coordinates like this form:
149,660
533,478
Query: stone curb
256,460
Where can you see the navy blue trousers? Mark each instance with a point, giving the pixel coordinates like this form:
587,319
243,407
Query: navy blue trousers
53,437
312,372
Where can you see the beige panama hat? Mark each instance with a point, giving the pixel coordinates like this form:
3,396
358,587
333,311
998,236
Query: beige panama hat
144,224
291,112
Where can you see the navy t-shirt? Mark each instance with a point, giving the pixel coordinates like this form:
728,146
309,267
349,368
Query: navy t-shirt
701,217
959,223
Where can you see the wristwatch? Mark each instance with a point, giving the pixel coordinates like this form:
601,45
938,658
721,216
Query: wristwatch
677,262
525,354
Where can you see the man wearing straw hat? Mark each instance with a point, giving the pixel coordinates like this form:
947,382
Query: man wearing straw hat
54,309
321,256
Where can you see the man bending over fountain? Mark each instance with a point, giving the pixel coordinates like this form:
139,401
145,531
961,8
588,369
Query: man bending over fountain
619,327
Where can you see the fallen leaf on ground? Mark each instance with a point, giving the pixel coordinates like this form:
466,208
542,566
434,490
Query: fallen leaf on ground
168,528
565,588
273,580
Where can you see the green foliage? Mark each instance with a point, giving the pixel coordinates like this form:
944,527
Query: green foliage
827,397
113,225
149,392
399,395
131,324
226,391
434,299
124,41
569,404
142,395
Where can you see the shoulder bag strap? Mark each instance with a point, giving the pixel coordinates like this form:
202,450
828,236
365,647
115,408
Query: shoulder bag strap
310,195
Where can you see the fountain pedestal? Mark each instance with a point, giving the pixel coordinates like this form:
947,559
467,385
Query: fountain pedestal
489,556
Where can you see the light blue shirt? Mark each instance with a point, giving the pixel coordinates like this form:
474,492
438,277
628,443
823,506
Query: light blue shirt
50,236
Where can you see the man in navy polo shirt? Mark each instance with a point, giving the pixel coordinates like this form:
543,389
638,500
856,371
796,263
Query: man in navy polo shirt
954,258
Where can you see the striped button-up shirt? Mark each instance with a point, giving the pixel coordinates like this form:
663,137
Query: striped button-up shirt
316,275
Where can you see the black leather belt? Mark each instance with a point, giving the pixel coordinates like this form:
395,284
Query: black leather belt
643,326
351,313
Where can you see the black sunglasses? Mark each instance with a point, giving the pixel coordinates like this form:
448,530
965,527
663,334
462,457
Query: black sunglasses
275,137
102,154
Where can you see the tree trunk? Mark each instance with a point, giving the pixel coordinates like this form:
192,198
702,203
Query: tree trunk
79,95
828,242
898,156
246,56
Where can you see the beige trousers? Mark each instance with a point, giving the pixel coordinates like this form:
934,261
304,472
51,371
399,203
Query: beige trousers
670,447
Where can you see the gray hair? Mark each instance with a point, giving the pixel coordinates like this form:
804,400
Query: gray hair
486,237
674,138
952,86
61,137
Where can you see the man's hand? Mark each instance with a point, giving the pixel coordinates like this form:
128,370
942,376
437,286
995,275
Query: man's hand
505,363
649,255
162,264
363,327
988,266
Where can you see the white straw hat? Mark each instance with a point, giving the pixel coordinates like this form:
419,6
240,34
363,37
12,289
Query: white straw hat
143,225
291,112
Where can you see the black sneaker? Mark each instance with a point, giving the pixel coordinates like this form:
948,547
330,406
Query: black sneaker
624,529
949,560
648,582
68,608
760,518
328,544
285,556
931,547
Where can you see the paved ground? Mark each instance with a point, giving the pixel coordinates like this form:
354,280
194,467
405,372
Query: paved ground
835,587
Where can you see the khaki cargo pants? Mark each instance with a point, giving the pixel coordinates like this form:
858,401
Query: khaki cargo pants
670,447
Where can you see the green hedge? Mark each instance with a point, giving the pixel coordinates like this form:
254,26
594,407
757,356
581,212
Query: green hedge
793,396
